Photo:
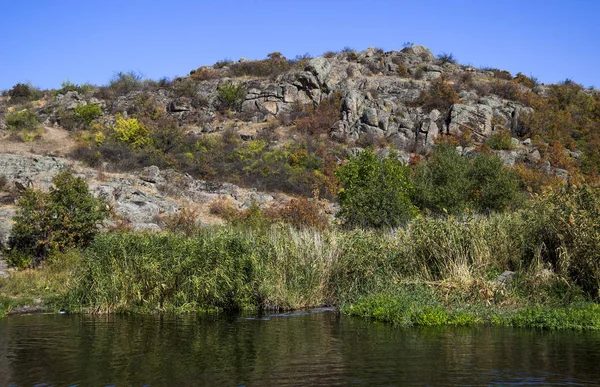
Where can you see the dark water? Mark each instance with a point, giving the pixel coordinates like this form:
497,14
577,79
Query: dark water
319,349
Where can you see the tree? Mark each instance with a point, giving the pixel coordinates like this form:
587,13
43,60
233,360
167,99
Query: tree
375,191
449,182
65,217
494,186
441,183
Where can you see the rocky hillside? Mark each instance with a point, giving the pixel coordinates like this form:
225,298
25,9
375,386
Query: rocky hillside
283,125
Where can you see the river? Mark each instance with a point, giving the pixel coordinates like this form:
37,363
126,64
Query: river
319,348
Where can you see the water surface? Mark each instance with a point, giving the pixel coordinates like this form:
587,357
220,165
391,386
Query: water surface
318,348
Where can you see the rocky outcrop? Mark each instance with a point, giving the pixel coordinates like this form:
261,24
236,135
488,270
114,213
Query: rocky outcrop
380,94
141,200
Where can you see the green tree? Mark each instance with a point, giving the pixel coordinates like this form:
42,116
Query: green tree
441,183
450,183
494,186
67,216
375,191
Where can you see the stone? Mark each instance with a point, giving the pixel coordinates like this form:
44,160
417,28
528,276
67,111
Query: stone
179,105
419,52
320,68
562,174
477,119
370,117
505,278
515,143
534,156
70,100
576,154
353,105
151,174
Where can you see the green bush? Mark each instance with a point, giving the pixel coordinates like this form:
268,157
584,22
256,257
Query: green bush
450,183
24,124
494,186
123,83
130,131
87,113
67,216
67,86
230,96
441,183
375,192
79,118
22,120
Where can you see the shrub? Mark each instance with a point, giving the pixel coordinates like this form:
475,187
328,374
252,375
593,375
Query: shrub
23,92
130,131
444,58
500,74
402,71
22,120
506,89
526,81
271,67
450,183
85,114
301,213
123,83
185,221
230,96
375,192
351,53
222,63
321,119
500,140
67,216
24,124
204,74
67,86
494,186
441,95
441,183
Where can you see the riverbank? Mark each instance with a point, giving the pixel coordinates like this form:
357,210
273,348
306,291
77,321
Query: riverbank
433,272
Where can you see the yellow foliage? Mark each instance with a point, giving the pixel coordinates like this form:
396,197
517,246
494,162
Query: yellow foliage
129,130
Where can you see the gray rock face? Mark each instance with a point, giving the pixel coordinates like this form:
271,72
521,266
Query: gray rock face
70,100
420,52
477,119
320,68
35,171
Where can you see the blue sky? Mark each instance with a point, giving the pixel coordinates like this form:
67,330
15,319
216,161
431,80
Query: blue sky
47,42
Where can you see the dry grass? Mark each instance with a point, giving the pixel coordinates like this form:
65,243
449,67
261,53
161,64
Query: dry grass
54,141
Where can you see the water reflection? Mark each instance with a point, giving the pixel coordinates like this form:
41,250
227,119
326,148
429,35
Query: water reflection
285,349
